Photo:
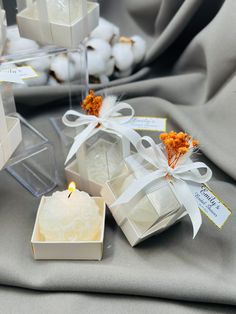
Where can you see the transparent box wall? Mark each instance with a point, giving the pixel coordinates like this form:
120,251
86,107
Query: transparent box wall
149,208
51,86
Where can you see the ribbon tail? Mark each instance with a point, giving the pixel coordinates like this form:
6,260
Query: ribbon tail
137,186
128,133
186,197
80,139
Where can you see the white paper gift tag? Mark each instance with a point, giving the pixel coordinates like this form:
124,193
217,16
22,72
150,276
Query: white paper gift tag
17,74
147,124
210,204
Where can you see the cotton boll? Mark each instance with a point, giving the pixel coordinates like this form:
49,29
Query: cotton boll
116,35
21,44
138,48
76,58
103,79
40,65
62,68
124,58
41,80
53,82
105,30
96,64
13,33
110,66
101,46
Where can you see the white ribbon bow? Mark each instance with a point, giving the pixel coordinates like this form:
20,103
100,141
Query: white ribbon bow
110,119
185,171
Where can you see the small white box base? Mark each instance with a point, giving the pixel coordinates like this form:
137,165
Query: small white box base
129,228
72,174
68,36
12,140
52,250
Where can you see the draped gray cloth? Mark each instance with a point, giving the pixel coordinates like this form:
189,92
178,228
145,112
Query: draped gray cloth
191,62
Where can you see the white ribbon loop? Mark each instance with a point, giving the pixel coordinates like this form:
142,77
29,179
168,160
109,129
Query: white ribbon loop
177,176
109,119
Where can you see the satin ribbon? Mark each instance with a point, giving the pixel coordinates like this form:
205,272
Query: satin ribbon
109,120
185,171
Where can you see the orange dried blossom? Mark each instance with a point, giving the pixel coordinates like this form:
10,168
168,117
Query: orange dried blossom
92,104
177,145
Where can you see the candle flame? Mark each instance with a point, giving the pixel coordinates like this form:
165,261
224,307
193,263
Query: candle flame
72,187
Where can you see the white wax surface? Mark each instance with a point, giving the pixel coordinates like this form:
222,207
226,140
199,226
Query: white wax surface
151,208
70,219
98,164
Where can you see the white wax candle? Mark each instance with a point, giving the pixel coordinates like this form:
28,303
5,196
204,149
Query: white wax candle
76,218
150,207
101,161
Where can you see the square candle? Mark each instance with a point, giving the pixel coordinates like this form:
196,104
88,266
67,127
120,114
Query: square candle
97,160
69,227
150,212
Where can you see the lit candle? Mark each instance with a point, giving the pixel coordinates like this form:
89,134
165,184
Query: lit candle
70,215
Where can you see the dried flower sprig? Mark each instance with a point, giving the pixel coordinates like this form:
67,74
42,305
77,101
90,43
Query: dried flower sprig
177,145
92,104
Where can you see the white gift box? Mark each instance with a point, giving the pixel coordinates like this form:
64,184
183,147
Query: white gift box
96,161
83,250
150,212
89,186
35,21
11,141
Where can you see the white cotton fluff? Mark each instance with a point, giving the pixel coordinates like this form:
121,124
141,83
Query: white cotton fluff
62,68
40,64
110,65
21,44
101,46
96,64
108,103
106,31
138,48
52,81
124,58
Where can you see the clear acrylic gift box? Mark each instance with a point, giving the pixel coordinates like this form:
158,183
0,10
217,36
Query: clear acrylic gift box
10,130
63,23
29,148
33,162
2,27
151,211
91,169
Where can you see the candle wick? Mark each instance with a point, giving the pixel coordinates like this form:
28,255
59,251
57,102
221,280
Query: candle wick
69,195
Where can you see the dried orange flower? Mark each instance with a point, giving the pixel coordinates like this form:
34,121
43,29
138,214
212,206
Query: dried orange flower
92,104
177,145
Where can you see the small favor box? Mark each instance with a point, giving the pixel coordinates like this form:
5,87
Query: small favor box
150,212
64,24
52,250
11,141
72,174
96,161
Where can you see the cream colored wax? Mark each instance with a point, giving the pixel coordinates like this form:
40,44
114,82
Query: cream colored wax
76,218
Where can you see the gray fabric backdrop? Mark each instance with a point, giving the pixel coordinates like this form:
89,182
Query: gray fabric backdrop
192,60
